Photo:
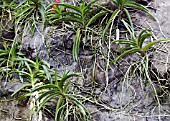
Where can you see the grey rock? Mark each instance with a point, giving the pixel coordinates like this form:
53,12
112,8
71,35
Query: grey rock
105,98
97,91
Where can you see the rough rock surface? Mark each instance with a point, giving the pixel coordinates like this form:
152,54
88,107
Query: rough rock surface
161,28
124,102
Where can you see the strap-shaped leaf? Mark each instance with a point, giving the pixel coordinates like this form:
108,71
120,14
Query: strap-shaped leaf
4,53
82,7
128,52
59,107
25,85
75,8
25,95
29,68
71,14
42,12
130,30
45,63
49,93
126,48
125,42
112,18
130,21
22,16
82,108
66,86
45,100
94,18
21,3
65,77
76,45
47,86
141,33
68,19
48,75
115,2
133,4
143,37
90,4
23,73
21,12
146,47
27,60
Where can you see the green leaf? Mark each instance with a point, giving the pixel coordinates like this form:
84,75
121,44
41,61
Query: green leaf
71,13
138,6
115,13
76,45
89,4
82,108
125,42
65,77
24,96
48,75
45,63
66,86
75,8
20,53
153,43
2,54
27,60
116,2
45,100
128,52
53,92
82,7
21,4
94,18
143,37
23,12
22,72
68,19
126,48
141,33
35,1
130,30
130,20
25,85
42,12
29,68
47,86
59,107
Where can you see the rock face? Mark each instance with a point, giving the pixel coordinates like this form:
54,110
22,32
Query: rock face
123,100
161,29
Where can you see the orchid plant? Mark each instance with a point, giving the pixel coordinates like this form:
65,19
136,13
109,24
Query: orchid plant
136,44
123,7
28,14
